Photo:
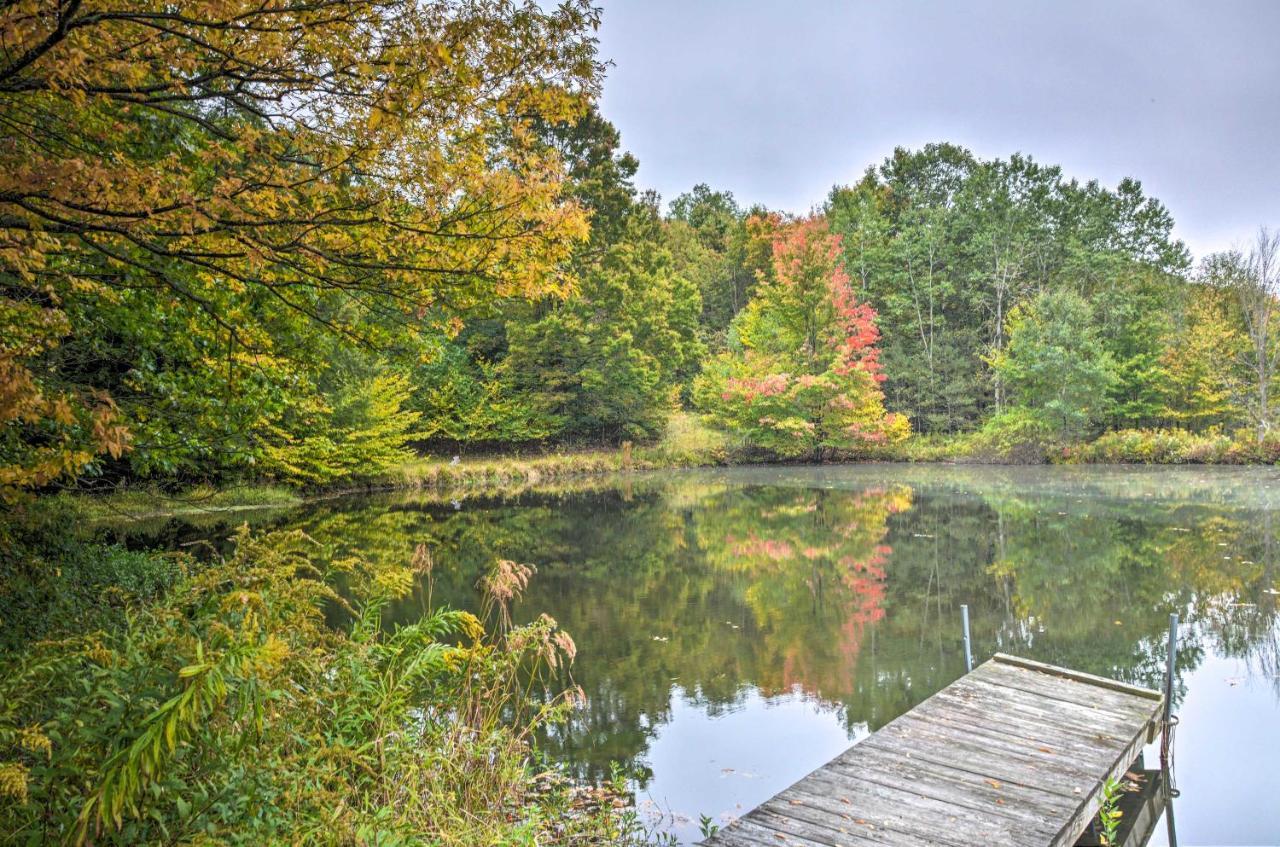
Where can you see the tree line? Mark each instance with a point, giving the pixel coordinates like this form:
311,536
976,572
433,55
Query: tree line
975,295
294,241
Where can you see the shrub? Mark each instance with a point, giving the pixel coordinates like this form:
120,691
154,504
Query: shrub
1143,446
1017,435
228,711
1175,446
919,447
1245,448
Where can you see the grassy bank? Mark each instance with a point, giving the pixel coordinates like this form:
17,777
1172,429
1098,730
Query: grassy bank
508,473
502,471
1119,447
686,443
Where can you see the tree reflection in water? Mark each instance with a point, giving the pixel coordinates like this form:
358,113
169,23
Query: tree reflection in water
843,585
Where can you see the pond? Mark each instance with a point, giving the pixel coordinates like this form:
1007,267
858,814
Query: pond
737,628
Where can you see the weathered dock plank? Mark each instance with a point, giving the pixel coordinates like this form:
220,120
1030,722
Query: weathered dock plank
1014,753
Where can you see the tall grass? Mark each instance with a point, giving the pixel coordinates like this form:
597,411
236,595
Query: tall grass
503,471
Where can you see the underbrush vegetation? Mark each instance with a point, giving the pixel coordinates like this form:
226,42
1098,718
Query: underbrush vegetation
688,442
214,702
1017,438
1171,446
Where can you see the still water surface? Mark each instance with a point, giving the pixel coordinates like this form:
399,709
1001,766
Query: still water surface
738,628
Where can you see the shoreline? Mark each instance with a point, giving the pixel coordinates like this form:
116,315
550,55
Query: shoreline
513,472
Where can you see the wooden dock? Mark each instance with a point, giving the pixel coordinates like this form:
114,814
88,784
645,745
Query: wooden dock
1014,753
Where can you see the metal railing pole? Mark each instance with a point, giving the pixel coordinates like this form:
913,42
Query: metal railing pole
1166,725
968,651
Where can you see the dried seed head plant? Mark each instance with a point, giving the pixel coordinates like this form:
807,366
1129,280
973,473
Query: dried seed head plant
500,587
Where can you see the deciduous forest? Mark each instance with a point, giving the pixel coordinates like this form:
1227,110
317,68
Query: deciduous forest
315,244
299,251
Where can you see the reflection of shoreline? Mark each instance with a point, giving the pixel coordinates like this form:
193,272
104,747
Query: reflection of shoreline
811,564
1251,486
844,580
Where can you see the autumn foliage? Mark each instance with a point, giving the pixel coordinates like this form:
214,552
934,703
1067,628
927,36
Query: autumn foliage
802,376
207,183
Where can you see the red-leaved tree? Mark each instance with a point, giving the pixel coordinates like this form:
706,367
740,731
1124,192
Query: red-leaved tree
802,372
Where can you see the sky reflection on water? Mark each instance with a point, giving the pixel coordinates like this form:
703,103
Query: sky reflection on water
738,628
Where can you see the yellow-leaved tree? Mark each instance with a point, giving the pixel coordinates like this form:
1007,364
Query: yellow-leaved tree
215,168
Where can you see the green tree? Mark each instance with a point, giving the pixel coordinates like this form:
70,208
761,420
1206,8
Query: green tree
725,232
1254,278
466,397
1136,308
355,425
907,267
944,245
1055,365
1202,361
606,363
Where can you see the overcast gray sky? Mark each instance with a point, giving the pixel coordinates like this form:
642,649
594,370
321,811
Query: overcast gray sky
777,101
